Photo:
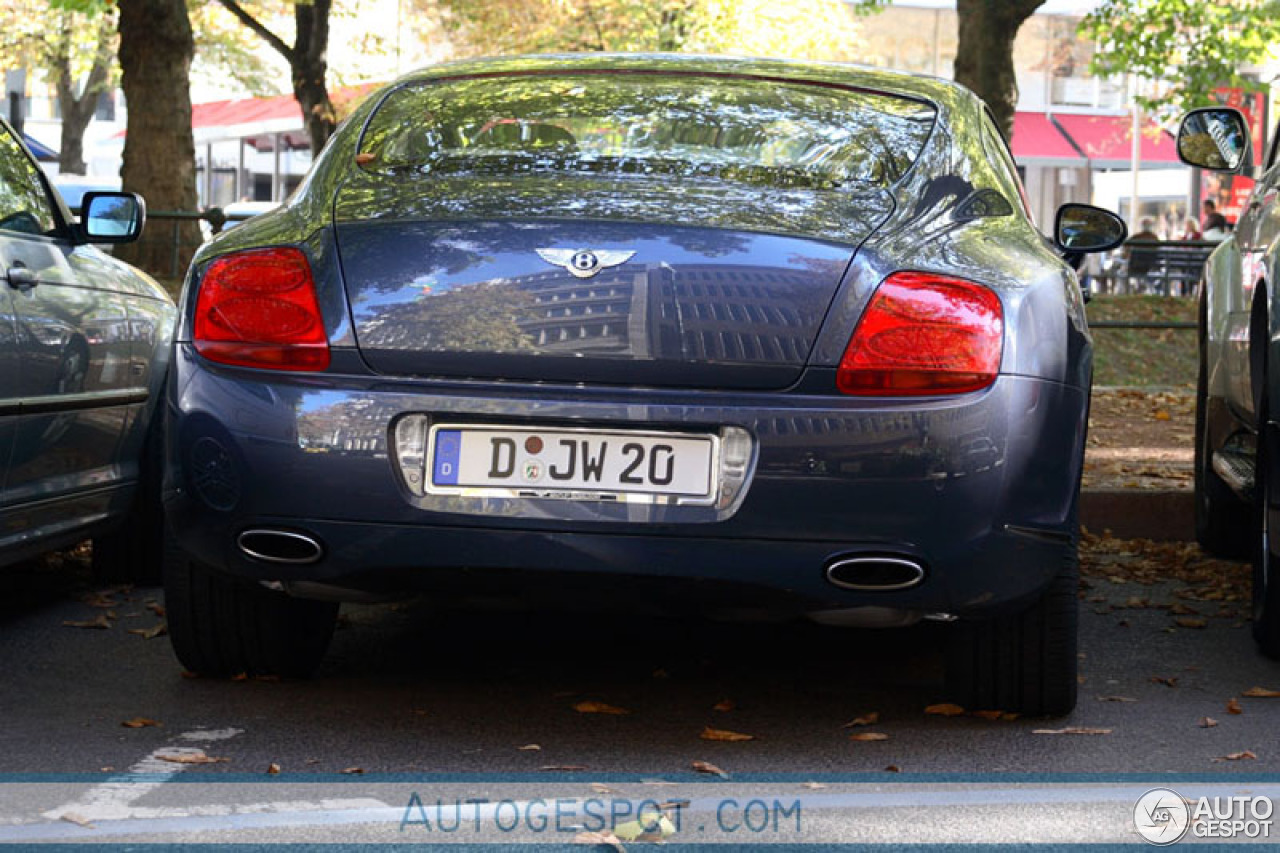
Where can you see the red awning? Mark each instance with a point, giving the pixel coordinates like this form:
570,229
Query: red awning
1107,140
1037,142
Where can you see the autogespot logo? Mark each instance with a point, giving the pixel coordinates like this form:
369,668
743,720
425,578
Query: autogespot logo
1161,816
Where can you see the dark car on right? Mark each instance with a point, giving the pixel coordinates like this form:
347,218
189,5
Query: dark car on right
1237,452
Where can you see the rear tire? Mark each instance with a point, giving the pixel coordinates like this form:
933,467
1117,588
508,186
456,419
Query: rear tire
1024,662
222,626
1266,568
1223,521
134,552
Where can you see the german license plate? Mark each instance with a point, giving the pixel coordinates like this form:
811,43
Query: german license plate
571,463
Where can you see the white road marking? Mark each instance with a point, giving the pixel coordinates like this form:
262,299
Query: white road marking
114,799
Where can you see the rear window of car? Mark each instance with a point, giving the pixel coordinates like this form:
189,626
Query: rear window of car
747,129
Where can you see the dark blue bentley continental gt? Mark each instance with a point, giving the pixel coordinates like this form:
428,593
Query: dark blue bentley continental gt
749,336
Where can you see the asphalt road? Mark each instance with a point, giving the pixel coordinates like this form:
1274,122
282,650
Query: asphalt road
409,690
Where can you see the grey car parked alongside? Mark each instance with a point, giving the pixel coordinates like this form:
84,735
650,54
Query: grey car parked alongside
85,342
754,338
1237,478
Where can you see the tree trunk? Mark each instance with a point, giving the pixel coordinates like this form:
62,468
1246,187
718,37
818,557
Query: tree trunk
984,52
78,112
310,64
76,115
308,60
156,47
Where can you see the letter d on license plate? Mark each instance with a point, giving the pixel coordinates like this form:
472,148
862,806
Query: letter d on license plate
576,464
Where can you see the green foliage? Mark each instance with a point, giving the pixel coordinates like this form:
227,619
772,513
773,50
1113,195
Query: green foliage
226,49
46,34
1190,47
813,29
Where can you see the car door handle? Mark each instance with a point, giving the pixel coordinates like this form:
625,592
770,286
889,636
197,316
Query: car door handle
21,277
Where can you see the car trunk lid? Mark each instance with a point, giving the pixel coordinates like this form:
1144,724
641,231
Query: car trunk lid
493,281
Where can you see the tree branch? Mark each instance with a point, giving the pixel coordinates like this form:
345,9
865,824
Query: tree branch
252,23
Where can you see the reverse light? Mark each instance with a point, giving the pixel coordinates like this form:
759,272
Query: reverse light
924,334
258,308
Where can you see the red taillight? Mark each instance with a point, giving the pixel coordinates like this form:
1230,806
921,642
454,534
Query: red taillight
924,334
258,309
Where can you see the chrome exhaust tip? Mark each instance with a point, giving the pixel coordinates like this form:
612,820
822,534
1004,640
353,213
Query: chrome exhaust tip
875,573
279,546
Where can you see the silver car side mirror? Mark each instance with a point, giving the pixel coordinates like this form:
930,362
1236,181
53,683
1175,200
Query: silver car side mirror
1215,138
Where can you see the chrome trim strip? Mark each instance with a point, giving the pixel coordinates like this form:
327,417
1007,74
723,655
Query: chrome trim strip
51,403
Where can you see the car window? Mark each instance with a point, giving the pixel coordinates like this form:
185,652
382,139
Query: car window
998,149
24,204
758,131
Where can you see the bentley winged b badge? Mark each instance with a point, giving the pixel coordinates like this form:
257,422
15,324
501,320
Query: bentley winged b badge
585,263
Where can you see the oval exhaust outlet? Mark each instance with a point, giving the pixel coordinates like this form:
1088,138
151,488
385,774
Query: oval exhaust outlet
279,546
875,573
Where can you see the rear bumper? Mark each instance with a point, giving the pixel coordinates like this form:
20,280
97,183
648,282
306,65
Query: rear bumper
980,490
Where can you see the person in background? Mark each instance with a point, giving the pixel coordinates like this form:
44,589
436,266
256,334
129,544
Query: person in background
1141,258
1217,229
1212,219
1190,229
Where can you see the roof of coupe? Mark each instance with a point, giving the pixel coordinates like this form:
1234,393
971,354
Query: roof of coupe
843,73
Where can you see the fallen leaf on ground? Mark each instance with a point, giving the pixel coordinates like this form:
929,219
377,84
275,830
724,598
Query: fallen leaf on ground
893,768
1261,693
1191,622
1072,730
240,676
562,768
273,769
601,788
1166,680
723,705
709,733
653,827
1247,755
138,723
945,709
353,771
813,786
865,720
708,767
1233,707
606,838
151,633
592,707
103,600
1116,699
190,756
1162,415
988,715
1207,722
529,747
156,608
72,817
99,621
869,736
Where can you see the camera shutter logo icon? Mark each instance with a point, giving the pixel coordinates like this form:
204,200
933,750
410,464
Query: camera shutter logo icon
1161,816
